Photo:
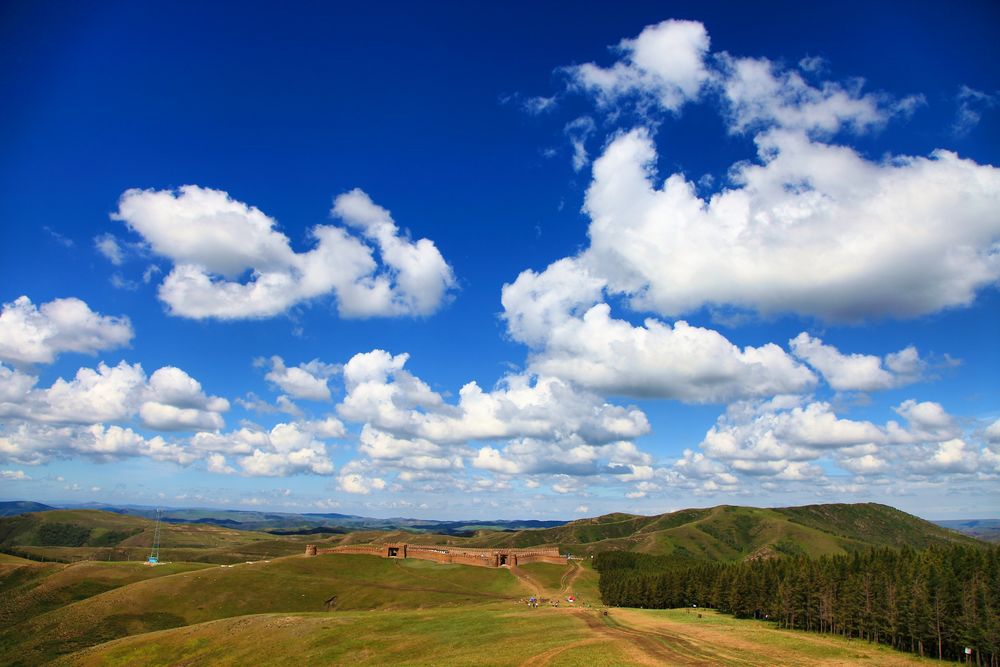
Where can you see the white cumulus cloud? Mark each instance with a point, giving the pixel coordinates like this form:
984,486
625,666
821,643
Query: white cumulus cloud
858,372
306,381
663,65
213,240
32,334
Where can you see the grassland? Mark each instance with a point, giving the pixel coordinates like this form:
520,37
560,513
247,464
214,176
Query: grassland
296,584
340,609
78,535
365,610
33,589
734,533
494,634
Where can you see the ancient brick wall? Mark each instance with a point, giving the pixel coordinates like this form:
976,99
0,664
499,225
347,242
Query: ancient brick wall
524,559
481,560
448,554
366,549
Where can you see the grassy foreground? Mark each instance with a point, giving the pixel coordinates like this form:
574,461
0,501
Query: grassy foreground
295,584
495,634
343,609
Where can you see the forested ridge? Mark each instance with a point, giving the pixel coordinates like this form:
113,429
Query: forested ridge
934,602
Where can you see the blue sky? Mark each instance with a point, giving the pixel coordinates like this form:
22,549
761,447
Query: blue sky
511,261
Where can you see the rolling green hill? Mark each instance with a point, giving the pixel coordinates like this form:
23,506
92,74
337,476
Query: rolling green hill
296,584
73,535
734,533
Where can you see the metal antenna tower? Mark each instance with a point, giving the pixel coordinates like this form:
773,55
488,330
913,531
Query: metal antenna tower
154,555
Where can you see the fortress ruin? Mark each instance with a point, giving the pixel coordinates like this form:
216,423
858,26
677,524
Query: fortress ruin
448,554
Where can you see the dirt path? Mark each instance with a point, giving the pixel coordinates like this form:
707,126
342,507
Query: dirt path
568,579
642,648
546,657
532,583
709,644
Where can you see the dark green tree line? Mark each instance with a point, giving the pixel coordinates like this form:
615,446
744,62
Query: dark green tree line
934,602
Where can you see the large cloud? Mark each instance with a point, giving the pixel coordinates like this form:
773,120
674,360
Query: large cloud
214,240
533,424
786,437
560,315
812,228
682,362
381,393
171,400
287,449
32,334
34,444
809,227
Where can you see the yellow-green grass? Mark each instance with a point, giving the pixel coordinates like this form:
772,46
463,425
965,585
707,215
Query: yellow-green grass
456,636
546,576
25,532
8,559
296,584
723,639
577,578
38,588
585,585
254,549
495,634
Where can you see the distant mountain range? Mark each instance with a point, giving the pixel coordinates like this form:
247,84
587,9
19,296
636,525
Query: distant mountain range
724,531
983,529
15,507
282,523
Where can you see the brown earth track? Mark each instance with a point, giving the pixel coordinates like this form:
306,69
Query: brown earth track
546,657
530,582
568,579
643,647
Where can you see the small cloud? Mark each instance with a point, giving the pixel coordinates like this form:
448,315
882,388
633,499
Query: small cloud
151,271
533,106
813,64
118,281
14,475
582,509
578,131
107,245
59,238
539,105
971,105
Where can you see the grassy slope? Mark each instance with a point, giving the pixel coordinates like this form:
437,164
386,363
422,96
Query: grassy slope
35,589
7,559
733,533
493,635
286,585
24,534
